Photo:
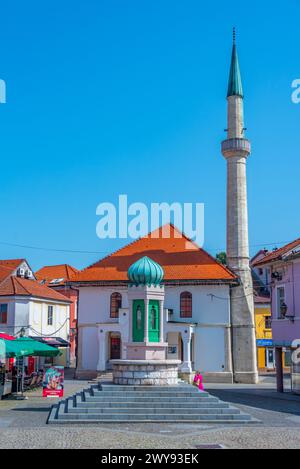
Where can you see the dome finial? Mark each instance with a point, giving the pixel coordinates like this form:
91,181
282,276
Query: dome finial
145,271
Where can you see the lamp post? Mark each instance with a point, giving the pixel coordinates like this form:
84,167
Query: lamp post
284,313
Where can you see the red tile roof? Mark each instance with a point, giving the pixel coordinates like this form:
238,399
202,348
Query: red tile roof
180,258
7,266
17,286
262,299
51,272
278,253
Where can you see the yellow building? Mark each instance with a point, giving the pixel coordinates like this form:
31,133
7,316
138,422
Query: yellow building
265,350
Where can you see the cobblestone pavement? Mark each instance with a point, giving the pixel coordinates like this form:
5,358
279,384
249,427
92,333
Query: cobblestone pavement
23,424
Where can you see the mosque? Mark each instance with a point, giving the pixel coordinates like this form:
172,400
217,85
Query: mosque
156,298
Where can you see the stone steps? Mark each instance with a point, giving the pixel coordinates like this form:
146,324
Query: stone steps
149,389
144,394
144,404
150,411
112,403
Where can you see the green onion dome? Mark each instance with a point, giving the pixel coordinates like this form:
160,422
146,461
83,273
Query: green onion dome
145,272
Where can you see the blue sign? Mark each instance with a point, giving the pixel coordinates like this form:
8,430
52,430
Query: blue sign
264,343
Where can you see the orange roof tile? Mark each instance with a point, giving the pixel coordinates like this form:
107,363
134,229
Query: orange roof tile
7,266
52,272
180,258
278,253
17,286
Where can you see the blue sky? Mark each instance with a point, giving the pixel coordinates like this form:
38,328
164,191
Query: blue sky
112,97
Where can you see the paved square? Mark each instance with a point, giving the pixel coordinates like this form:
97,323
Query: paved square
23,424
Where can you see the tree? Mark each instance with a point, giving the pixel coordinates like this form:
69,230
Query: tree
222,258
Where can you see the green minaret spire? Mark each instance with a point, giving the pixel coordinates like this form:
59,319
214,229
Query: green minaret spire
235,82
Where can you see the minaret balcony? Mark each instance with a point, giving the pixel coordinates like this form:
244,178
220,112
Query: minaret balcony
236,147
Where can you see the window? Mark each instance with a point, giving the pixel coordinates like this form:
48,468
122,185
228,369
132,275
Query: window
115,304
50,316
138,318
185,304
280,301
268,322
3,313
153,318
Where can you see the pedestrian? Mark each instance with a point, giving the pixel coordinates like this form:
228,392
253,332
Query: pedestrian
198,381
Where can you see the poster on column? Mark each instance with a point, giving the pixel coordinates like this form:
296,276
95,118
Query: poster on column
53,382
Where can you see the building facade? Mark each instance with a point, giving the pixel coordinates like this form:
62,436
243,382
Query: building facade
196,308
264,340
39,311
208,309
284,268
262,311
55,277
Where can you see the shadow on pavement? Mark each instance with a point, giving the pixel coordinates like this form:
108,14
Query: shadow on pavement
32,409
261,399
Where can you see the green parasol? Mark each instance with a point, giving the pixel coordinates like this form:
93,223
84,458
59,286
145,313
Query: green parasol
36,348
13,349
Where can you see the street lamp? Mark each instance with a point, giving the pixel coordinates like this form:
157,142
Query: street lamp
284,312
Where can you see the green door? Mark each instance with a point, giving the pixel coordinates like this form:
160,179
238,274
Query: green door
153,321
138,320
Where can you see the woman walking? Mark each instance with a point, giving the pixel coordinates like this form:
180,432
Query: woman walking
198,381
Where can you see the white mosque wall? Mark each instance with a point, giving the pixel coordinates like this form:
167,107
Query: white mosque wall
207,309
209,349
90,344
94,304
211,313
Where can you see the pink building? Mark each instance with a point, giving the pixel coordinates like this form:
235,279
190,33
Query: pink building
284,273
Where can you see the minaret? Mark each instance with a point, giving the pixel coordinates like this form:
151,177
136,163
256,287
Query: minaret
236,149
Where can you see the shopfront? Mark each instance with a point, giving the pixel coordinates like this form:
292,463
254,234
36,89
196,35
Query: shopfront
61,360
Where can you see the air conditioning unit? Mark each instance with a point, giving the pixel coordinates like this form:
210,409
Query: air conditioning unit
21,272
28,274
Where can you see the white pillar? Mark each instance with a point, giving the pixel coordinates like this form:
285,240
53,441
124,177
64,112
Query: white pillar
123,349
161,321
146,339
130,323
102,358
186,366
228,350
79,348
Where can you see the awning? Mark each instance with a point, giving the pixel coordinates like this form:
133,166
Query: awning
26,347
12,349
32,347
6,336
52,341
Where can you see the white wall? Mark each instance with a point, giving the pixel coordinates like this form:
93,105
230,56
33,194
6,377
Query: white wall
209,351
18,315
21,314
206,309
90,354
209,342
38,319
94,303
25,312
